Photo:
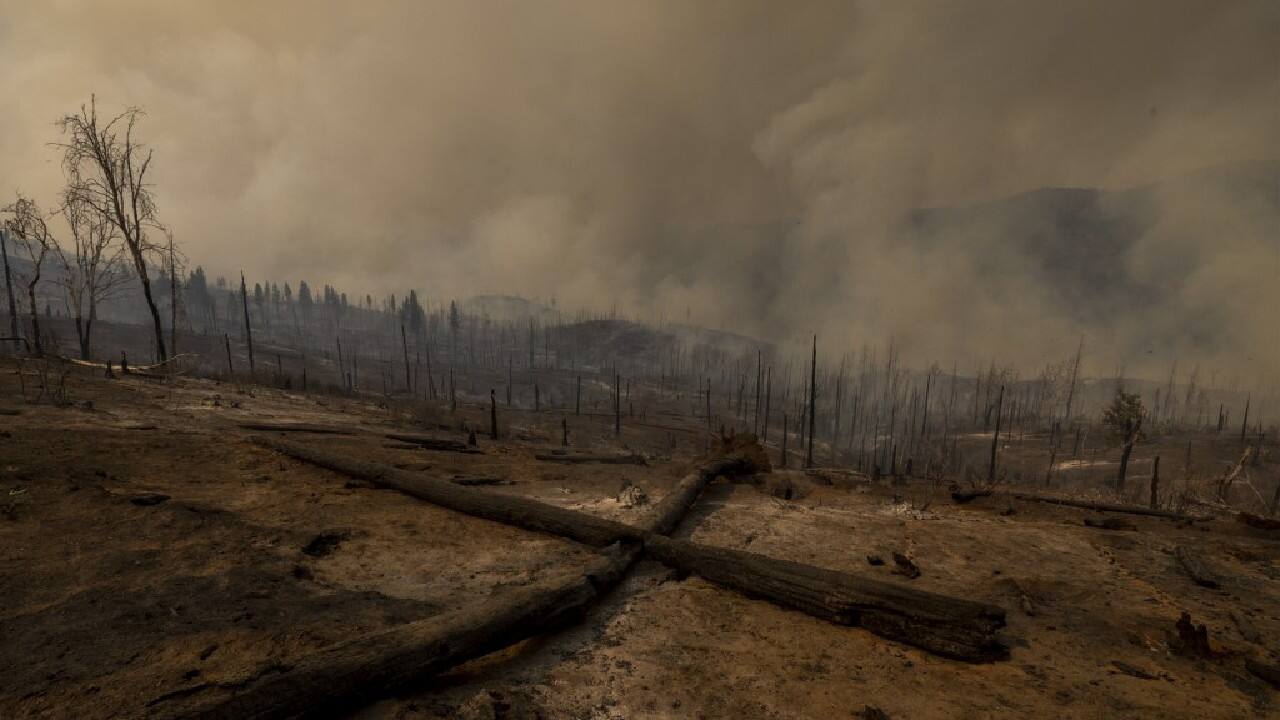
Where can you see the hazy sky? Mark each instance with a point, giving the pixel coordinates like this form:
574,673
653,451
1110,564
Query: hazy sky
743,159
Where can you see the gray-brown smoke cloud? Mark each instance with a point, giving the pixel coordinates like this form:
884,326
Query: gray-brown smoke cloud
753,162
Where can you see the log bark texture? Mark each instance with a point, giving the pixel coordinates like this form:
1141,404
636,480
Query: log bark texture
427,442
295,427
951,627
1110,507
1195,566
575,458
947,626
348,674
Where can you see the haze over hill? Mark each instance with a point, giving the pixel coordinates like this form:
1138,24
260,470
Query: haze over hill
744,166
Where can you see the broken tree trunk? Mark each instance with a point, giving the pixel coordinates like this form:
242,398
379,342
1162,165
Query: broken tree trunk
1109,507
295,427
1155,483
508,509
1191,561
573,458
427,442
947,626
347,674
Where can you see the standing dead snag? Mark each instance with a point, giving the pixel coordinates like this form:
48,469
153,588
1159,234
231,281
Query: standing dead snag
813,388
768,385
493,414
93,271
8,284
709,424
1132,429
109,174
995,439
32,233
1155,483
248,329
782,456
1244,424
408,378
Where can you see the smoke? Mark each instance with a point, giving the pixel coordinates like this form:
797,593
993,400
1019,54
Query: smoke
752,165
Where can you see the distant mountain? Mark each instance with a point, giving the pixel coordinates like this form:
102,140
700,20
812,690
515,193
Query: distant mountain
1148,263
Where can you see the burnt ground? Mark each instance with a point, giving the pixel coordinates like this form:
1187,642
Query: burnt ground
150,551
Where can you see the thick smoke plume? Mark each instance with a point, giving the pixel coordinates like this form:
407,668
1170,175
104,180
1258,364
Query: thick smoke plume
761,166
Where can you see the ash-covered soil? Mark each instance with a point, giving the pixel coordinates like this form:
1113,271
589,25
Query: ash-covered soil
149,552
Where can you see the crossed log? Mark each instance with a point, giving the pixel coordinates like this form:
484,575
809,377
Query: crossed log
371,666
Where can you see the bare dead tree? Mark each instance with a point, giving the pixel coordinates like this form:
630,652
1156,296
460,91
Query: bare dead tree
8,286
106,168
176,263
33,238
248,329
1133,429
813,396
995,439
94,268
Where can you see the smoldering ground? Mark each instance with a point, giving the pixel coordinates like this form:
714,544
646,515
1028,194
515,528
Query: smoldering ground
758,165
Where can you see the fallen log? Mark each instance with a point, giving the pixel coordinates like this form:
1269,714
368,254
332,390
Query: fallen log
508,509
950,627
346,674
960,497
426,442
1110,523
266,426
1257,521
1263,671
577,458
1109,507
414,446
1195,567
947,626
473,481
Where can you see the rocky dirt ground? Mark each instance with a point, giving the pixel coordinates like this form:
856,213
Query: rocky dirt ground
147,550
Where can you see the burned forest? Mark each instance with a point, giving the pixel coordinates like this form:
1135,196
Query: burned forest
609,361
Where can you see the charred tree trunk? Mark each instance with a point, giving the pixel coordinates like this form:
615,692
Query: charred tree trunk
8,284
782,456
173,300
995,439
38,343
231,369
248,329
768,387
947,626
408,375
1244,424
1130,437
493,415
350,673
1155,483
813,394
